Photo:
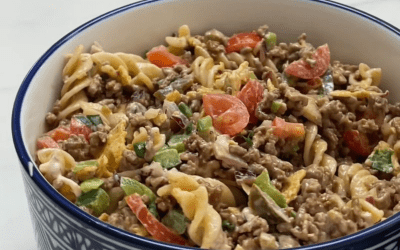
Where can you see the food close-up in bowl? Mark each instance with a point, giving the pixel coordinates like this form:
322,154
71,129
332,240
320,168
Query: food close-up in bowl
220,138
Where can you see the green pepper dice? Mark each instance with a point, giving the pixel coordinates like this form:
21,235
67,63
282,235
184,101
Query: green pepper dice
97,200
168,158
176,142
132,186
275,107
91,184
270,40
175,220
264,183
185,110
204,124
83,164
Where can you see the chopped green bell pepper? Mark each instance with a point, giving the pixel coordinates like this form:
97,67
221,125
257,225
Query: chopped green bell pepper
91,184
204,124
176,142
132,186
168,158
185,110
83,164
275,107
264,183
176,221
97,200
270,40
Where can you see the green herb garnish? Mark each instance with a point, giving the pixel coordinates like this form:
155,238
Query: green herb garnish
228,226
185,110
249,138
84,120
382,160
189,128
140,149
95,119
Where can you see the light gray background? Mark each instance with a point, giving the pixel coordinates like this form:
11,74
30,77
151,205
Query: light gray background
27,30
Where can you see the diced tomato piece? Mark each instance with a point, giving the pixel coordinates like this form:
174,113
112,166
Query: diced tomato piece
161,57
229,114
287,130
242,40
314,83
158,230
60,133
302,69
370,199
358,142
46,142
78,128
251,94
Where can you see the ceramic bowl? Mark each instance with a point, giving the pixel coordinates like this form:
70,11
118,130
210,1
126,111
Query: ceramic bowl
353,36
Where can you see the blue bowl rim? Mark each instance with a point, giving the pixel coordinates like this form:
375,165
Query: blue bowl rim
117,233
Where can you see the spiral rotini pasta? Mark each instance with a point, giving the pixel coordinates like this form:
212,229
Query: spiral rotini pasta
314,150
76,79
205,71
205,228
233,78
358,182
363,87
54,164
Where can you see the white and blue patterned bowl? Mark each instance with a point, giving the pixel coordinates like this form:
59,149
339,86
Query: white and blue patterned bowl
353,37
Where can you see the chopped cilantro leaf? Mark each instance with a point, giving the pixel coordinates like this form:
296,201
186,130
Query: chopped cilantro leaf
382,160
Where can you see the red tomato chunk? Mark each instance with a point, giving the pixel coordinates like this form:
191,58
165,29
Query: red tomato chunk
161,57
46,142
242,40
229,114
158,230
60,133
287,130
78,128
358,142
304,70
251,94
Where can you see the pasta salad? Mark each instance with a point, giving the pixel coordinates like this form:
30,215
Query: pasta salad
225,142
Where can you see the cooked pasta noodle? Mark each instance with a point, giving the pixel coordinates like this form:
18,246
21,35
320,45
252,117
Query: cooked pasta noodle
54,164
205,228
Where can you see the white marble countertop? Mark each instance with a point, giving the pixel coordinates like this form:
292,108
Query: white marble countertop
28,29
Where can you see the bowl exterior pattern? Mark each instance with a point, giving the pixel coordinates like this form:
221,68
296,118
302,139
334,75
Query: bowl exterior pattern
55,229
